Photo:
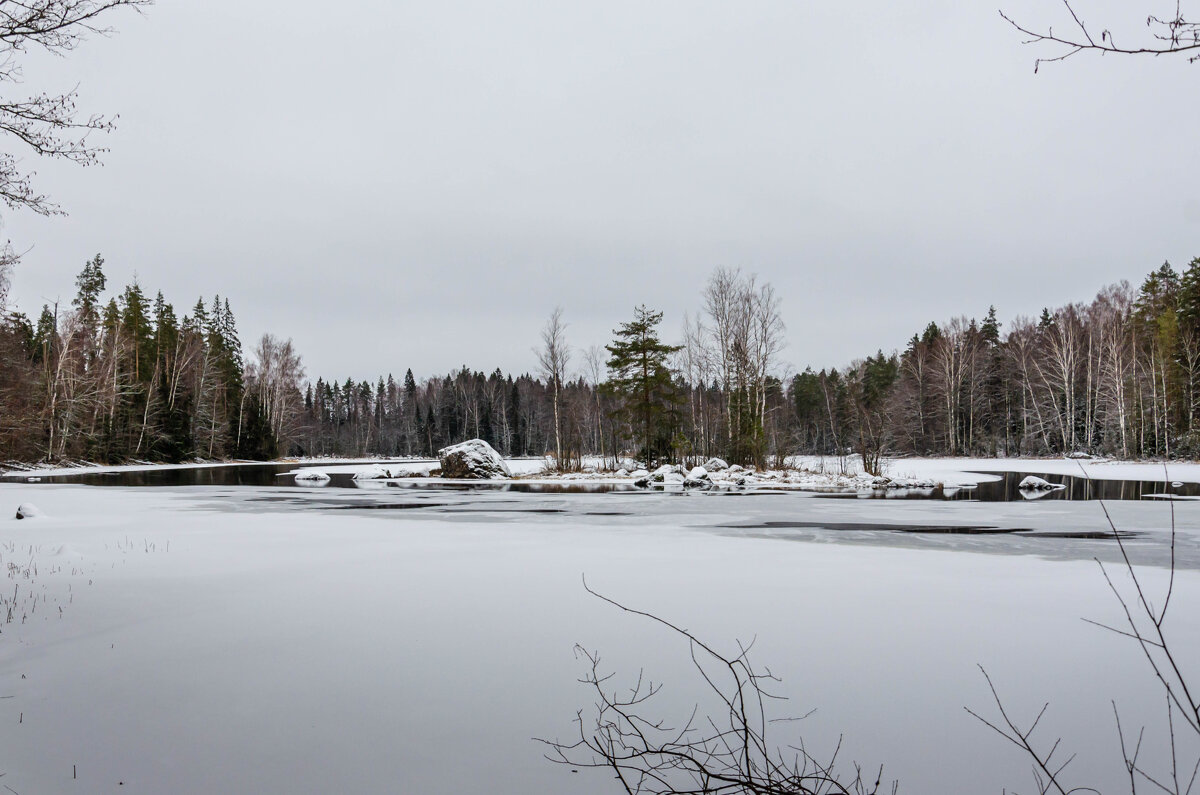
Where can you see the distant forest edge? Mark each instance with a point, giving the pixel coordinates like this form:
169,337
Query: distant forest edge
122,377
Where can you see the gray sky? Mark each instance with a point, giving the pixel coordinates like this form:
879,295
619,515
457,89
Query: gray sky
397,184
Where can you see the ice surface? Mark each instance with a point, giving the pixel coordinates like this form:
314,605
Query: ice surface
280,640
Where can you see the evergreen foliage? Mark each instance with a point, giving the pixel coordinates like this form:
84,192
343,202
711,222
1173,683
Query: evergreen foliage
641,381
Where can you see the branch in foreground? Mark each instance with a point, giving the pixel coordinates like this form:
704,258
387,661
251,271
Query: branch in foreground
1145,625
1170,35
726,752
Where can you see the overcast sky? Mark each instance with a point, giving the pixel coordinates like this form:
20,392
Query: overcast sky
397,184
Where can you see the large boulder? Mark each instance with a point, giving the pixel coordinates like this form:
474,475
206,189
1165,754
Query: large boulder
473,460
715,464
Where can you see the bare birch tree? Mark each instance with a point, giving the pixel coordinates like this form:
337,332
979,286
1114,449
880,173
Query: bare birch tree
554,357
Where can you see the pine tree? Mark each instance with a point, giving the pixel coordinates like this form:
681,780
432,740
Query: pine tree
640,380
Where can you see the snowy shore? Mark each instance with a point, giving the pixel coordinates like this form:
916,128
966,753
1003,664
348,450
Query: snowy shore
804,473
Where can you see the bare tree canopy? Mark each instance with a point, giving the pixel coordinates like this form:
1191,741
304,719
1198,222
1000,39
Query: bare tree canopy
1169,33
553,357
48,124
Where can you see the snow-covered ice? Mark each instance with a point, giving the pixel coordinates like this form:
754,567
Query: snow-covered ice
276,639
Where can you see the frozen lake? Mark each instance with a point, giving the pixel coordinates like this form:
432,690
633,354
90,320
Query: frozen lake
275,638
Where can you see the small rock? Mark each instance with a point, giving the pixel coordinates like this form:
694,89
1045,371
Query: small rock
27,510
1034,483
372,473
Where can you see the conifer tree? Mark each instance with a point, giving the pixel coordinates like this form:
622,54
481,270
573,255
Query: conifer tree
91,282
641,381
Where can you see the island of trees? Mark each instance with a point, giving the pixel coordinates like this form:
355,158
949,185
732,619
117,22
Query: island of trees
118,376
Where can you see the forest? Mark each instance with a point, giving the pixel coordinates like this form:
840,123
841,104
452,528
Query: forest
117,376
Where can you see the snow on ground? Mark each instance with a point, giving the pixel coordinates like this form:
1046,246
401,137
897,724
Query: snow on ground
292,640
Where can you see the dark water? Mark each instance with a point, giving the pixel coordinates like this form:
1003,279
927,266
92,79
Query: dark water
1076,488
273,475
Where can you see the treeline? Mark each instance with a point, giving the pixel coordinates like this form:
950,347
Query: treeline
127,379
714,394
1119,376
119,377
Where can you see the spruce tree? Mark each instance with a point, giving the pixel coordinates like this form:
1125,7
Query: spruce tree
91,282
640,380
135,324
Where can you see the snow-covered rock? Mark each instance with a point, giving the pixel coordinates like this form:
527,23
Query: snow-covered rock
1034,483
621,473
736,468
639,473
315,475
698,479
642,482
665,475
912,483
372,473
27,510
474,459
715,464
